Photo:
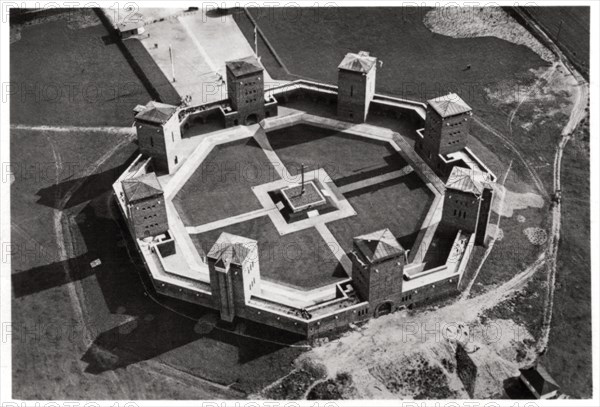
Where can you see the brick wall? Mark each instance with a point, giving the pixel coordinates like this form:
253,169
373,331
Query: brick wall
431,293
354,96
159,142
461,210
484,216
442,136
247,95
149,216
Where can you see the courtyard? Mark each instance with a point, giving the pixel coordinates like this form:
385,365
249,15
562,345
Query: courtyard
355,185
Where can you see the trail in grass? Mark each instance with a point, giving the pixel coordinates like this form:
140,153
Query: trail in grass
76,129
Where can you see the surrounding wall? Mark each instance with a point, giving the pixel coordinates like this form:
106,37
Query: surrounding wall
484,216
431,293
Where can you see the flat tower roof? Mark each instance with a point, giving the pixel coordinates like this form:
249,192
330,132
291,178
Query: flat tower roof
449,105
361,62
231,249
378,245
156,112
244,66
142,187
468,180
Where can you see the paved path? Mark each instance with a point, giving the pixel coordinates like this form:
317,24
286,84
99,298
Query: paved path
261,138
126,131
232,220
335,247
184,241
418,164
434,216
375,180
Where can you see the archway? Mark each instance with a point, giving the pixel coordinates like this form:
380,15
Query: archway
251,119
383,309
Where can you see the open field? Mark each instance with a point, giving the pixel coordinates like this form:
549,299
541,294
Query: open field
572,312
417,64
72,78
301,259
223,182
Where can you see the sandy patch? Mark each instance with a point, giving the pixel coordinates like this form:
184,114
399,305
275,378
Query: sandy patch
514,201
495,231
396,356
469,22
553,93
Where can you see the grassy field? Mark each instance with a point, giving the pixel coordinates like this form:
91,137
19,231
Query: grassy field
345,158
569,27
400,205
223,183
571,321
72,78
301,259
416,63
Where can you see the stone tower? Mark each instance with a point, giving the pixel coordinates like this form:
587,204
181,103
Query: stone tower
377,270
246,89
145,206
356,86
447,126
468,201
234,273
158,132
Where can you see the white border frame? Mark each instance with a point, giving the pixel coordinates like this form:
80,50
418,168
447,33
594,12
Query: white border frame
5,270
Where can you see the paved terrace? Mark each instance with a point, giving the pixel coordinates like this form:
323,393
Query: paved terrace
200,45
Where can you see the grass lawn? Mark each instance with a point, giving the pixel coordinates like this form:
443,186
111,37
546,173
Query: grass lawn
70,76
345,158
301,259
38,189
221,186
400,205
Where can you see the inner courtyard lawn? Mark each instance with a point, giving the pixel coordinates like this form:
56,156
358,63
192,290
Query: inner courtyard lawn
345,158
400,205
301,259
221,186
